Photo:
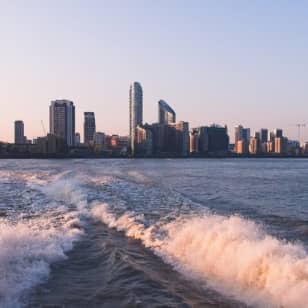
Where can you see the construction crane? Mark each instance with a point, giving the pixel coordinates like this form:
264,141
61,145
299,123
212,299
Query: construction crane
299,126
43,126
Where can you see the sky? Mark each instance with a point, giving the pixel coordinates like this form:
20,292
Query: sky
225,62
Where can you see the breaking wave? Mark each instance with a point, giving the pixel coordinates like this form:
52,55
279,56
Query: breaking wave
231,254
29,244
27,250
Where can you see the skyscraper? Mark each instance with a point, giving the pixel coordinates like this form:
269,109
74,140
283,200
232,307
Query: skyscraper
166,114
264,135
89,127
241,134
62,120
135,112
19,132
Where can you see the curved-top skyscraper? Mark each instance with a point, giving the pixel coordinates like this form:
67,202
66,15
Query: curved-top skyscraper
165,113
135,111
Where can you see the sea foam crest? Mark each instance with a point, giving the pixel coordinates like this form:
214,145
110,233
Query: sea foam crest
30,245
27,250
232,254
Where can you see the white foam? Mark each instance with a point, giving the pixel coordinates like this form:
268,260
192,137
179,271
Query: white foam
29,246
27,250
233,254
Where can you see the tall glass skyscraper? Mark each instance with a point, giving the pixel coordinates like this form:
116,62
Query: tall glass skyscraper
19,132
89,127
135,112
166,114
62,120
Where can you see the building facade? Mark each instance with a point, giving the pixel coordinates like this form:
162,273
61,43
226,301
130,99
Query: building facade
166,114
241,134
144,142
19,132
89,127
135,112
62,120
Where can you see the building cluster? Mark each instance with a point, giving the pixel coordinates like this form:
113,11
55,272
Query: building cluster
165,138
265,142
62,140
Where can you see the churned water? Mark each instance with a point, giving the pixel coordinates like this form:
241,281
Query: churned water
154,233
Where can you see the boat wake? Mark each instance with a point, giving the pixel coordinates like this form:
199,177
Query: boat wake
231,254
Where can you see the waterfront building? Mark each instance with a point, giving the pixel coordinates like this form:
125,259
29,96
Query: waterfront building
278,133
270,146
170,139
203,145
293,147
194,141
263,135
181,141
166,114
254,145
242,147
218,139
241,133
19,132
212,139
99,138
144,143
305,148
281,145
89,127
62,120
135,112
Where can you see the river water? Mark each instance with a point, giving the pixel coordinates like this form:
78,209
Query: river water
154,233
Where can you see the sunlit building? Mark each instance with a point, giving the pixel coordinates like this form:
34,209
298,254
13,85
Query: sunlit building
254,145
281,145
242,147
194,141
144,143
241,134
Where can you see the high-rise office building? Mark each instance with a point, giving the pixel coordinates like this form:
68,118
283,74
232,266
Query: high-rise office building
19,132
263,135
166,114
241,134
89,127
254,145
218,139
278,133
135,112
194,141
62,120
144,142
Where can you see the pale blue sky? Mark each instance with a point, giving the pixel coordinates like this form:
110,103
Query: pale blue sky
227,62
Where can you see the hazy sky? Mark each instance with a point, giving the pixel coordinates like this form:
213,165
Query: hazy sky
227,62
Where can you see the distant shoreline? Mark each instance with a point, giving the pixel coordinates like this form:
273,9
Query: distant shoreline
42,157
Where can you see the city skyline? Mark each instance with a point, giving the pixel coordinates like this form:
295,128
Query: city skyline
166,114
224,63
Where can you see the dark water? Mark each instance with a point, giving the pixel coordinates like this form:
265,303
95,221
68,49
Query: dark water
154,233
